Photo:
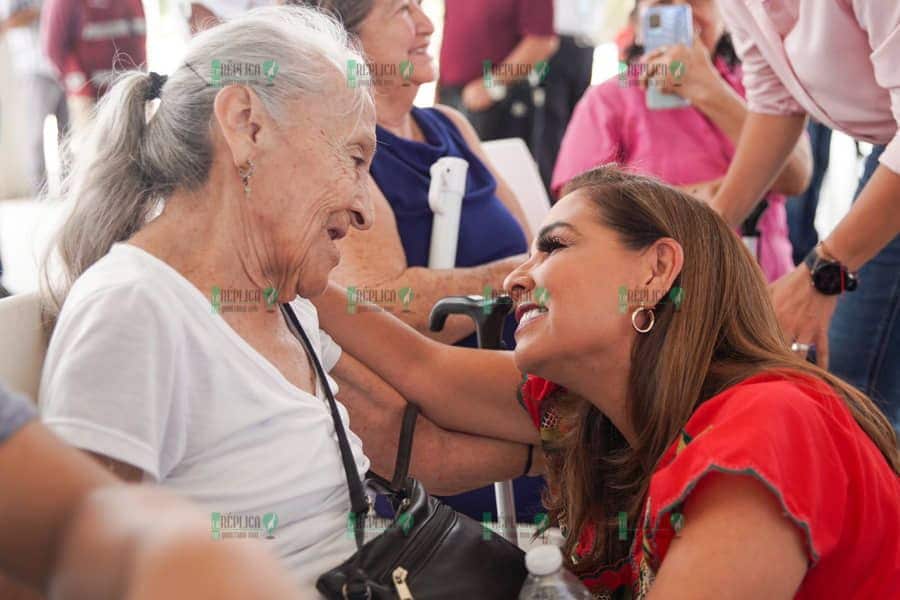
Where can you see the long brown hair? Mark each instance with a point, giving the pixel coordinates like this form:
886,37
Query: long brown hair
724,331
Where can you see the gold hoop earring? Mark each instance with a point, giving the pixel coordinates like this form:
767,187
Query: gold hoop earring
245,174
634,316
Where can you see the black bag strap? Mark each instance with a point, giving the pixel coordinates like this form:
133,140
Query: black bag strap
358,500
404,446
357,587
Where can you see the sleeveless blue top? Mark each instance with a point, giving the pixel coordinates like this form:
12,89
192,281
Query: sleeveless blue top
487,230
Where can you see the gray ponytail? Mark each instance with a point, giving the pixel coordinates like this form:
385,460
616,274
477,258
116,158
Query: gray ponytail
126,167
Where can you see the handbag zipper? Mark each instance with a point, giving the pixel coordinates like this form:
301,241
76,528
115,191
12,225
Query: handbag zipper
399,577
415,543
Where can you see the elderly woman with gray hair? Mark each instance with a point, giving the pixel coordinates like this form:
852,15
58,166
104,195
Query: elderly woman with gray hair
199,202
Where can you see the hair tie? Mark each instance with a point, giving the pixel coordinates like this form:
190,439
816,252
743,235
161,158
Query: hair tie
156,83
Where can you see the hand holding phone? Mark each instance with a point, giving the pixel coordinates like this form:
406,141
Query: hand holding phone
666,26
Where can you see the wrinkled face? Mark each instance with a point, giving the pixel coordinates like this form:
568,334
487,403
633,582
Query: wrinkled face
395,33
707,19
309,187
576,269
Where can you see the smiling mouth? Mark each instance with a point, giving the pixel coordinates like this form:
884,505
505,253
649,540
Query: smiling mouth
527,311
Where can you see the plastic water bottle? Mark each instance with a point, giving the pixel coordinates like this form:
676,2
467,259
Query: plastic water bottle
548,580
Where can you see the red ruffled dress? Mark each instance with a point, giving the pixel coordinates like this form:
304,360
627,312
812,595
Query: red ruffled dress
798,438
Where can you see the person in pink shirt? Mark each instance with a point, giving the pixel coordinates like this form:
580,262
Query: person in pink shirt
688,147
837,61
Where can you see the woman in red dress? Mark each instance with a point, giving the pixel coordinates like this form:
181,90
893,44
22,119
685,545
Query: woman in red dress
690,454
697,455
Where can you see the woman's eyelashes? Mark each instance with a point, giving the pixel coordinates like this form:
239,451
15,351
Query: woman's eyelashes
549,244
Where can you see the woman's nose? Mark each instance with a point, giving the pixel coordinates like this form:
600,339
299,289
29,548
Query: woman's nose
519,281
362,212
424,26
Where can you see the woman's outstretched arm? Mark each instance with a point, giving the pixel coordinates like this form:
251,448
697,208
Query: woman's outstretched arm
461,389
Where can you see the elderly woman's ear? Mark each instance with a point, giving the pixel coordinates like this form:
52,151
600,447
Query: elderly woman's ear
242,120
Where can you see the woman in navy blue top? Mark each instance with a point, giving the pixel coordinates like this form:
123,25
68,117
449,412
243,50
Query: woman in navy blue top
487,230
393,254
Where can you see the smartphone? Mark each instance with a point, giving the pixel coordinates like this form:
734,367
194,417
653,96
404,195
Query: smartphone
666,26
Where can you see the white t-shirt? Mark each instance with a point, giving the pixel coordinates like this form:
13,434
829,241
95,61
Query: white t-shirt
141,369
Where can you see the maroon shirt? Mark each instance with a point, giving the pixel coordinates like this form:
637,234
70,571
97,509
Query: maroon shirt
86,39
479,30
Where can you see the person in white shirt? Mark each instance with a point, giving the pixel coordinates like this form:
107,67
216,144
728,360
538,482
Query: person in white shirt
200,202
19,24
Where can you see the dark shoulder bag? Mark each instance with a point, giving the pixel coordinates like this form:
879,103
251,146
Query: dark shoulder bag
429,551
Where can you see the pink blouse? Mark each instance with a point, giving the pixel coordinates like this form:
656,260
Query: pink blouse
679,146
837,60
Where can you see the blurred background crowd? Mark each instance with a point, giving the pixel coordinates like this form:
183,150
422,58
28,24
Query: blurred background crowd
42,94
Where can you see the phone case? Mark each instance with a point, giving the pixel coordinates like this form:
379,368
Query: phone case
666,26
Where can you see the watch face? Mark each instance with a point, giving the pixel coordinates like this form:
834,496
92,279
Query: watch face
827,279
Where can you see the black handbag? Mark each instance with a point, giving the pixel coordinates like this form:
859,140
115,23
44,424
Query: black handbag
429,551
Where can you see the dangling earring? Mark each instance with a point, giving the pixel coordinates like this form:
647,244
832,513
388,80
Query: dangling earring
635,314
246,173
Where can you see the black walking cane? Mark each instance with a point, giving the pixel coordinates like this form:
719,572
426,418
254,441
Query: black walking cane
489,315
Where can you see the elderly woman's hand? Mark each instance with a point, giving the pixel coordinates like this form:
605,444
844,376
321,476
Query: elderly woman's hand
682,70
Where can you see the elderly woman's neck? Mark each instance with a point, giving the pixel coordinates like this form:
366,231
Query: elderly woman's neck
198,238
393,108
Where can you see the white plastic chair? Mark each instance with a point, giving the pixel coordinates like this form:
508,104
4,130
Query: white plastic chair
23,344
515,164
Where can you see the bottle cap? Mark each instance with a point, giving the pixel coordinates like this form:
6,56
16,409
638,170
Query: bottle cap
543,560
